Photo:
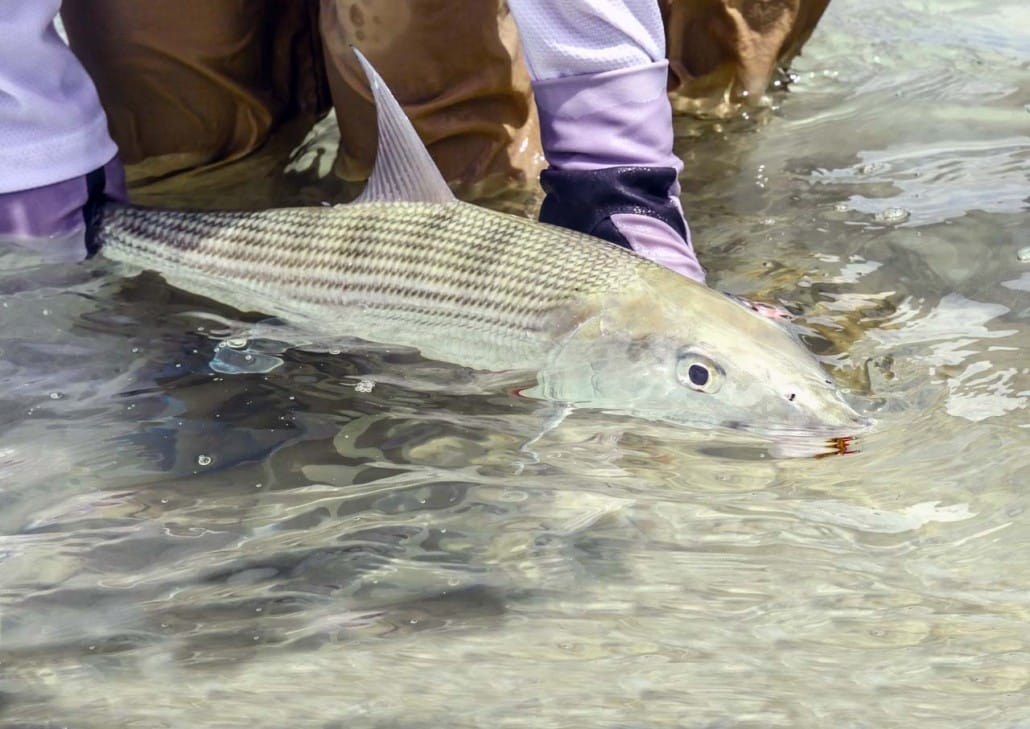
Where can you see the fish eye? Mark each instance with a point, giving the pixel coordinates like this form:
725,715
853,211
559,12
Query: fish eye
698,372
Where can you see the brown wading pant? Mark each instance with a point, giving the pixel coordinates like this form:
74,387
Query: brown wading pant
192,83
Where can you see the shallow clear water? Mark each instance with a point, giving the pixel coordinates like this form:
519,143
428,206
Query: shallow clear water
366,540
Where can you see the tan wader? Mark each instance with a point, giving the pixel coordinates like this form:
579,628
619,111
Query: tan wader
190,83
193,83
724,53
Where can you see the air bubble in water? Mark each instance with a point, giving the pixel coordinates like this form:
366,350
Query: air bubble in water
364,386
892,215
228,360
204,460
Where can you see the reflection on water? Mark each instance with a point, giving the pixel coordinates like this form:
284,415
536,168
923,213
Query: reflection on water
362,538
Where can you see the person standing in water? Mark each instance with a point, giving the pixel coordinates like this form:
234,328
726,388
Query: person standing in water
196,83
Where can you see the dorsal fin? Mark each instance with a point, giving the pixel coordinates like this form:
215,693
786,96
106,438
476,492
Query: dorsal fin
404,171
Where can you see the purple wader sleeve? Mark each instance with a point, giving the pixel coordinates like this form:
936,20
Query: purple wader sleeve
55,210
608,138
54,142
53,216
599,77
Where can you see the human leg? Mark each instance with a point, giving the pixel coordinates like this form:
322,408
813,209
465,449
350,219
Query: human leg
190,83
456,69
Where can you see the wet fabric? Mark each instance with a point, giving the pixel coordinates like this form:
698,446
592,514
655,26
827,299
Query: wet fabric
191,83
725,53
586,200
456,69
608,138
57,210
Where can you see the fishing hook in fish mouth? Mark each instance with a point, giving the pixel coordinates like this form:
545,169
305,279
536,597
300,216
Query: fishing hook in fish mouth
842,446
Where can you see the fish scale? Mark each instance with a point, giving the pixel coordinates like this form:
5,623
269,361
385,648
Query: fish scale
423,267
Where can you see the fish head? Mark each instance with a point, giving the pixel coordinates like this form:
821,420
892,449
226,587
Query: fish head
679,352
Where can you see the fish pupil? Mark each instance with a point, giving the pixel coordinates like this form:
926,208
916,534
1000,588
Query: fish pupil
698,375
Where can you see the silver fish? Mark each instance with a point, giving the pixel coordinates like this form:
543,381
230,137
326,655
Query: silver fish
408,264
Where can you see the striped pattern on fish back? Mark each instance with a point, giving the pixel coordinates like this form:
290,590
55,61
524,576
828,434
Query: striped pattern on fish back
414,261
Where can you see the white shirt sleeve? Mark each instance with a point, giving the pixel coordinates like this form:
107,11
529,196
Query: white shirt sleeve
576,37
52,127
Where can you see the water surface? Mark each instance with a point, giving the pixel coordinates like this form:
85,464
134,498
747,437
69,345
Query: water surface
364,539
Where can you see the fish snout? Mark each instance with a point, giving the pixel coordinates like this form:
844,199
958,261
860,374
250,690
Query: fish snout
826,409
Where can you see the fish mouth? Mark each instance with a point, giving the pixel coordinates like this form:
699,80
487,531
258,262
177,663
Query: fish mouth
800,441
821,418
841,421
856,428
845,416
828,412
811,441
844,426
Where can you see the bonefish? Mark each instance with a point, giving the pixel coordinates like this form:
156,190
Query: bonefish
408,264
